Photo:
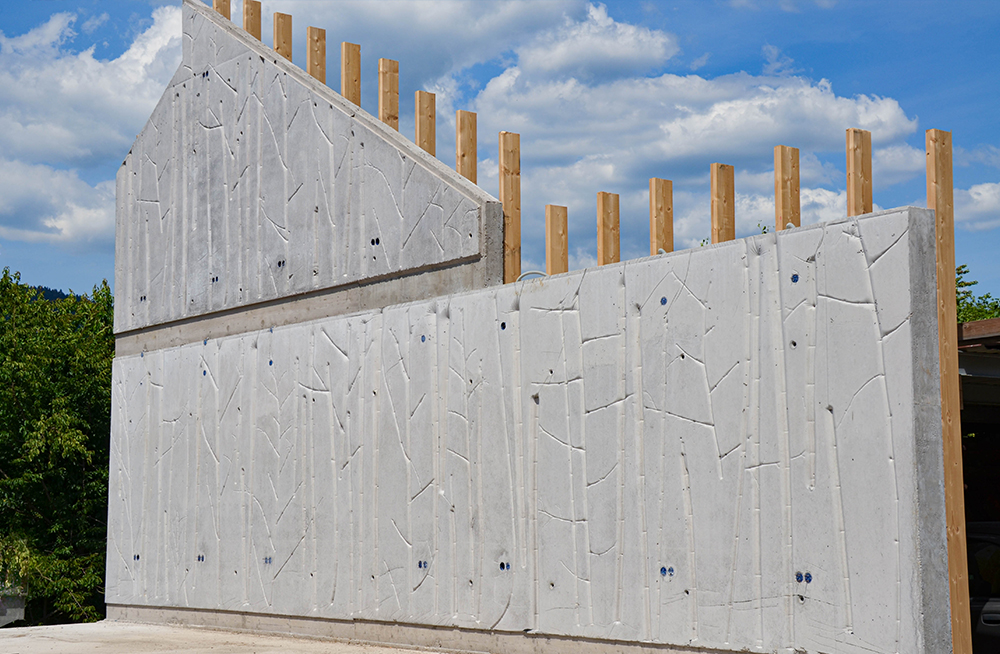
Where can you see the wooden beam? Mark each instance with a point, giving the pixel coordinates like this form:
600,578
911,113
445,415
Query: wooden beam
465,144
283,35
221,7
251,18
316,55
723,203
556,240
350,72
979,330
661,215
859,172
608,234
426,119
787,210
510,198
388,92
940,198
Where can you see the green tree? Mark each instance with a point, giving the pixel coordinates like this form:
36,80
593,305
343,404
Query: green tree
971,307
55,408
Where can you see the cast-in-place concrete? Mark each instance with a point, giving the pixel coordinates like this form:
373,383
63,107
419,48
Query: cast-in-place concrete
252,181
330,418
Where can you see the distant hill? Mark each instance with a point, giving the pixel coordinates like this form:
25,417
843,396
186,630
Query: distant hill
51,293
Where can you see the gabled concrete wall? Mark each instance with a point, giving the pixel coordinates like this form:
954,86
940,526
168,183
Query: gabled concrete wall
735,447
252,182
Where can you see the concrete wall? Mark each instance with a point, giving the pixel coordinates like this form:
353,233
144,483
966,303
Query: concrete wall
648,452
253,182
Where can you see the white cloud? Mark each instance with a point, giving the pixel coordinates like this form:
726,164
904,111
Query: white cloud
94,22
777,63
978,208
598,47
66,107
430,38
39,203
700,62
984,154
582,135
897,163
60,110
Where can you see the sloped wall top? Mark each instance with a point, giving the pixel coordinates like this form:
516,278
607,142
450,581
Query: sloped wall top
253,182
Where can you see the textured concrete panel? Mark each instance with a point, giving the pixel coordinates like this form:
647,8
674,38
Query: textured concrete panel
252,181
732,447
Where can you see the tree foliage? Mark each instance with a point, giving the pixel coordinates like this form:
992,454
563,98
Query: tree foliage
971,307
55,408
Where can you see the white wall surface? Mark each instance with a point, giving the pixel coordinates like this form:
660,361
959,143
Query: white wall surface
656,448
252,181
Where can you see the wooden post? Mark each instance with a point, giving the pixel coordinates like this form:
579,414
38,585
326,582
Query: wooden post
608,246
222,7
859,172
661,215
251,18
940,198
316,55
787,209
426,118
510,198
556,240
465,144
283,35
350,72
723,203
388,92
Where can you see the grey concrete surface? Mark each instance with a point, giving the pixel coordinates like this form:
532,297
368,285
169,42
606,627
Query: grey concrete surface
730,447
252,181
113,637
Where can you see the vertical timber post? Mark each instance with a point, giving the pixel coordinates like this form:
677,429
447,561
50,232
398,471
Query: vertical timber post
510,198
222,7
661,215
556,240
316,53
787,208
388,92
465,144
283,35
608,234
350,72
940,198
251,18
723,201
426,118
859,172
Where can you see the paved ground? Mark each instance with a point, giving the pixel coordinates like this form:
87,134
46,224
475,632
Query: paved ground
128,637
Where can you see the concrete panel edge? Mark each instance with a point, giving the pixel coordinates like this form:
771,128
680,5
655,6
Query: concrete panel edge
931,523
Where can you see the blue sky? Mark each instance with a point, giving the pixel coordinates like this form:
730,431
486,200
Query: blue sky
604,96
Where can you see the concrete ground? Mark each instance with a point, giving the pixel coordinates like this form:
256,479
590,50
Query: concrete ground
111,637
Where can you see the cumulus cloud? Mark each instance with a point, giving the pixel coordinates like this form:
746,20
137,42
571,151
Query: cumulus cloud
897,163
585,134
65,107
597,47
62,110
41,204
978,208
430,38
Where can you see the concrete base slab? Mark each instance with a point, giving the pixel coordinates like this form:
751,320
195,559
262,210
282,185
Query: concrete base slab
113,637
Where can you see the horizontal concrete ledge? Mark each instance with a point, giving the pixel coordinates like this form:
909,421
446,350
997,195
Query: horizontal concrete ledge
392,633
365,295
